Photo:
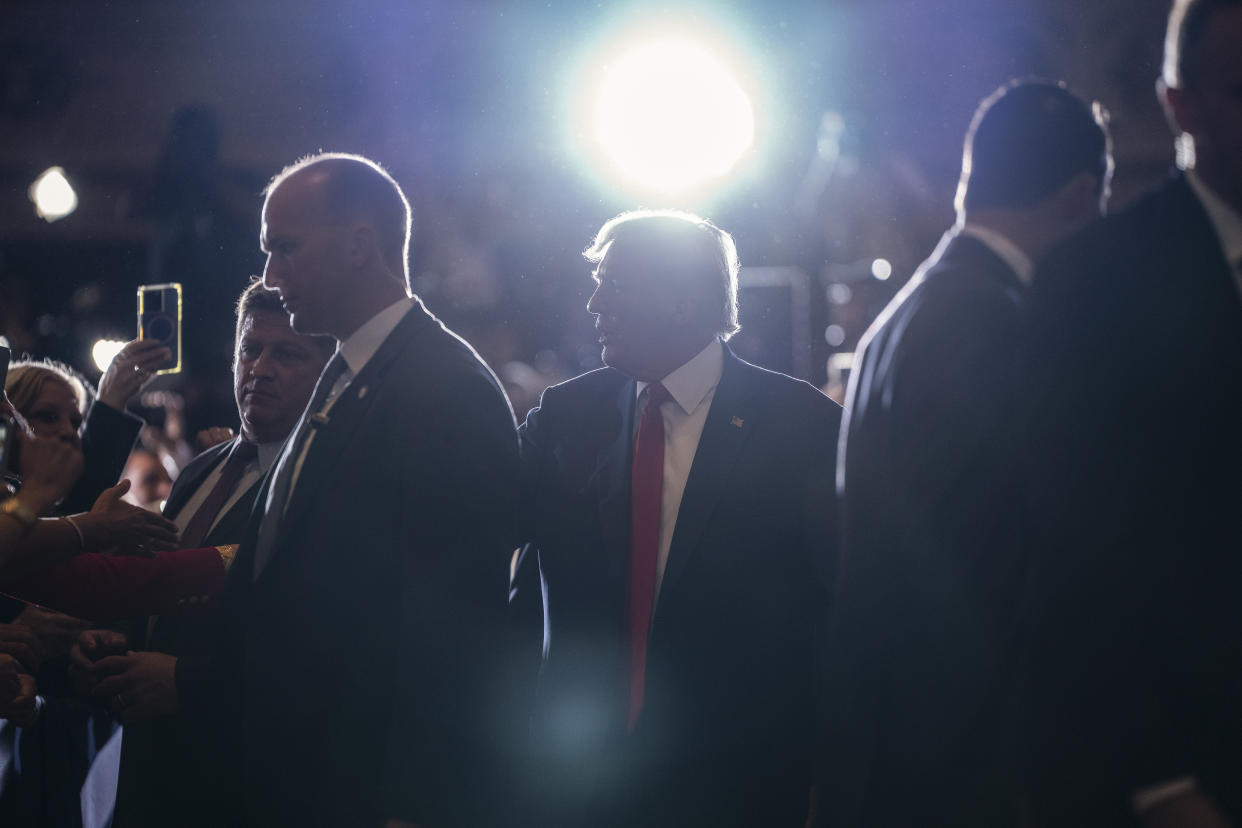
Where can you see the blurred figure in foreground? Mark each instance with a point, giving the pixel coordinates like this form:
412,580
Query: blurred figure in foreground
1135,536
925,650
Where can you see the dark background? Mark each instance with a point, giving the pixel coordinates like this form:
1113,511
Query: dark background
168,117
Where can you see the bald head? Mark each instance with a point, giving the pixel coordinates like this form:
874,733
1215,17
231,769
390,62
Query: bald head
352,188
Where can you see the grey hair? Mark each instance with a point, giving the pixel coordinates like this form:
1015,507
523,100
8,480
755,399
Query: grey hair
707,250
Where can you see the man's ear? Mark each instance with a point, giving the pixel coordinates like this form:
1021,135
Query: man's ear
1178,109
1079,197
362,244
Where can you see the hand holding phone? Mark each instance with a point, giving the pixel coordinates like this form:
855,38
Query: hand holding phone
159,319
130,369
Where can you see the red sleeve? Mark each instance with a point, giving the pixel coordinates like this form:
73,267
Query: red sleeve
107,587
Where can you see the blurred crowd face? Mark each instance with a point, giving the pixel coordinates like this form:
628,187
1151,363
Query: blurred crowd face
646,316
1216,99
305,254
54,413
274,374
1209,106
149,483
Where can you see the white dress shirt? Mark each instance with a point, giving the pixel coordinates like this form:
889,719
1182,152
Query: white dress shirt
998,243
691,389
251,474
357,351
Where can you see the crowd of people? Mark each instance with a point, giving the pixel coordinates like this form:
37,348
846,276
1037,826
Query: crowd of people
996,588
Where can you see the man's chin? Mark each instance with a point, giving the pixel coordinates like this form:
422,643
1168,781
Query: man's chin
616,358
260,425
301,323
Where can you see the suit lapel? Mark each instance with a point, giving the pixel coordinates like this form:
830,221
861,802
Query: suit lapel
612,474
230,527
730,422
193,476
345,418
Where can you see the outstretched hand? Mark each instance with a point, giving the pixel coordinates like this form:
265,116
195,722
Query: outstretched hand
114,524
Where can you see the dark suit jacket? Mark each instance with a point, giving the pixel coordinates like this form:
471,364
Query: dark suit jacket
108,436
168,774
726,733
929,572
362,655
1136,387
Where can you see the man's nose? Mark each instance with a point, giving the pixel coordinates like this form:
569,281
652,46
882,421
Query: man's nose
596,302
271,275
262,365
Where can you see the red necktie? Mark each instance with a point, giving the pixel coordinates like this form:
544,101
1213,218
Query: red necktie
239,457
646,490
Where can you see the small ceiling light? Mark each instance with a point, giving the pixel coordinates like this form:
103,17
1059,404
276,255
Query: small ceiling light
52,195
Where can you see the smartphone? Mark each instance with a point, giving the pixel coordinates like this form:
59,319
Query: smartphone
159,317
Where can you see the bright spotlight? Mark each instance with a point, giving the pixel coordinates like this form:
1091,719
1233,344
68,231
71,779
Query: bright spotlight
881,269
52,195
670,115
104,351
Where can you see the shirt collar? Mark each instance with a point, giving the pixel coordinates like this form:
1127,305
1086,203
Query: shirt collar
1009,253
364,342
268,452
1225,220
690,383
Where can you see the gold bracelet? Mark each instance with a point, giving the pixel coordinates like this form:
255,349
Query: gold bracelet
78,529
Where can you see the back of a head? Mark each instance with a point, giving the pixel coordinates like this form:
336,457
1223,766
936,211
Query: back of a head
1188,20
1027,140
684,244
355,187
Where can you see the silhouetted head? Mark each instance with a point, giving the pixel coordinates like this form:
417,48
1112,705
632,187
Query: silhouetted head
1200,90
666,286
336,230
1027,141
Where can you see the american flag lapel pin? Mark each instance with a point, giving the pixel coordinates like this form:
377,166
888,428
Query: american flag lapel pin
736,422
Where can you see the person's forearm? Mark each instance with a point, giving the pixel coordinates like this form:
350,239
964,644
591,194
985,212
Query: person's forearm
48,541
107,587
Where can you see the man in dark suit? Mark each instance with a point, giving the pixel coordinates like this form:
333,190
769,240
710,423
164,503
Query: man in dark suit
923,632
679,505
166,775
1136,353
355,660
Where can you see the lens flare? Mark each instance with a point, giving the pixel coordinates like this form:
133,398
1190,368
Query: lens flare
670,116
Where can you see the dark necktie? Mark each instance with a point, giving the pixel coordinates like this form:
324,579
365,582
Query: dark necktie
240,456
278,495
646,496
